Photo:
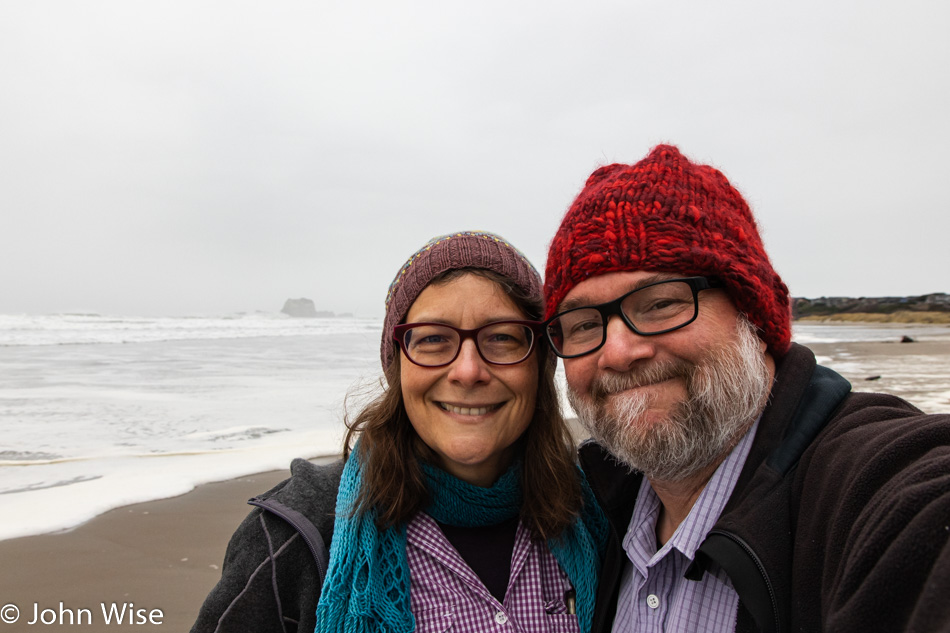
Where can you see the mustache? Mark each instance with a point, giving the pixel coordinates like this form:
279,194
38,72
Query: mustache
607,384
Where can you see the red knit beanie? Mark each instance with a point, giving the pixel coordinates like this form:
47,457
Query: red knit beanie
465,249
667,214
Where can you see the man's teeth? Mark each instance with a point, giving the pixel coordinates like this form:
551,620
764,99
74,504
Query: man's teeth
467,410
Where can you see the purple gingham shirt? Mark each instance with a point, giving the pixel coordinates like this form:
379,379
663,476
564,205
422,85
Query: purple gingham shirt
654,595
446,594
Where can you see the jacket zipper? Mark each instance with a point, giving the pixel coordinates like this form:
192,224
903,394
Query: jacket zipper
755,559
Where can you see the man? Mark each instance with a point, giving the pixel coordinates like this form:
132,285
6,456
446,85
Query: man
747,488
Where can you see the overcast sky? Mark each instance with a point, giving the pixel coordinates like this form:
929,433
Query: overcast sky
208,157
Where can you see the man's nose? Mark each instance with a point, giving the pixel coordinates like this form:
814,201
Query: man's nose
624,347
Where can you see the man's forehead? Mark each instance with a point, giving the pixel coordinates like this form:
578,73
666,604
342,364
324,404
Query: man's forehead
608,286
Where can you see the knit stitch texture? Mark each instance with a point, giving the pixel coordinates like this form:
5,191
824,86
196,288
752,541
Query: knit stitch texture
464,249
367,585
667,214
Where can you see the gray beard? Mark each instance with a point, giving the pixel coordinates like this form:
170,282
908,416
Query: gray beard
726,391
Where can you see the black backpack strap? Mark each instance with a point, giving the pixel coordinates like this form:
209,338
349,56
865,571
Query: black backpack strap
305,527
825,392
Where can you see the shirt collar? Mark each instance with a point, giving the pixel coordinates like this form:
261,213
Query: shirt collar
640,539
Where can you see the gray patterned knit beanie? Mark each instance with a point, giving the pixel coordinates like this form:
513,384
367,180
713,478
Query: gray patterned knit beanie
465,249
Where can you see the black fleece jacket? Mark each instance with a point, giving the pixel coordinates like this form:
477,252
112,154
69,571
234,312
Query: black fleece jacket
270,581
840,520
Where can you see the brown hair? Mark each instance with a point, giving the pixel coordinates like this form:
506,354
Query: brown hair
391,451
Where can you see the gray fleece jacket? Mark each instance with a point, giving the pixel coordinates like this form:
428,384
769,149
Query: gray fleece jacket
270,580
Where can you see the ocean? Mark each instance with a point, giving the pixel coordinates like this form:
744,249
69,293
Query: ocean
100,411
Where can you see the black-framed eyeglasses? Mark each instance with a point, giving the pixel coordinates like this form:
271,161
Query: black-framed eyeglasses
438,344
656,308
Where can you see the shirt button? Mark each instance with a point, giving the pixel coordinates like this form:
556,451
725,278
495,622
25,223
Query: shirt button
652,601
501,618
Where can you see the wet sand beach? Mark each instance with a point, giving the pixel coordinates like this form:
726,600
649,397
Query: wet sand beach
167,554
162,554
919,371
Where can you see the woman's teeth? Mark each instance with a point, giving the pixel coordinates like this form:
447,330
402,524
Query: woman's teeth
468,410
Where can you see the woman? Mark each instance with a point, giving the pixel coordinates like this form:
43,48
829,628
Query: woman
459,505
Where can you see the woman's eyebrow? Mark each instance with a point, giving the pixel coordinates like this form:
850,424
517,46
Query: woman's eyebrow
492,319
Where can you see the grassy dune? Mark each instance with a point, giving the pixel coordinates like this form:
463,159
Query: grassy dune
905,316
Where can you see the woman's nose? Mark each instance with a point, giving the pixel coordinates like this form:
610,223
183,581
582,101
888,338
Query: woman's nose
469,367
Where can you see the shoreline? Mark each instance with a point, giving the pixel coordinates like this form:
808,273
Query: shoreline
164,554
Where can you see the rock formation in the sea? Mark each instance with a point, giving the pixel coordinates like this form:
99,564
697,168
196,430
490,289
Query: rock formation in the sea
300,308
304,308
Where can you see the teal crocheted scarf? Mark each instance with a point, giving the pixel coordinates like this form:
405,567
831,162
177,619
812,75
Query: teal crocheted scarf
367,584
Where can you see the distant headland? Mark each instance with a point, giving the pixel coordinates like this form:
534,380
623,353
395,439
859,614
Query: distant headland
931,308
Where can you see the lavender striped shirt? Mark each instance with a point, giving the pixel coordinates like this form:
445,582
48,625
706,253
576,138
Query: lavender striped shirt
446,594
654,595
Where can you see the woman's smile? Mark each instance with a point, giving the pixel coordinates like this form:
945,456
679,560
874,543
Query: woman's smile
470,409
469,412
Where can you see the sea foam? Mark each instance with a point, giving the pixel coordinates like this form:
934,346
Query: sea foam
100,412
